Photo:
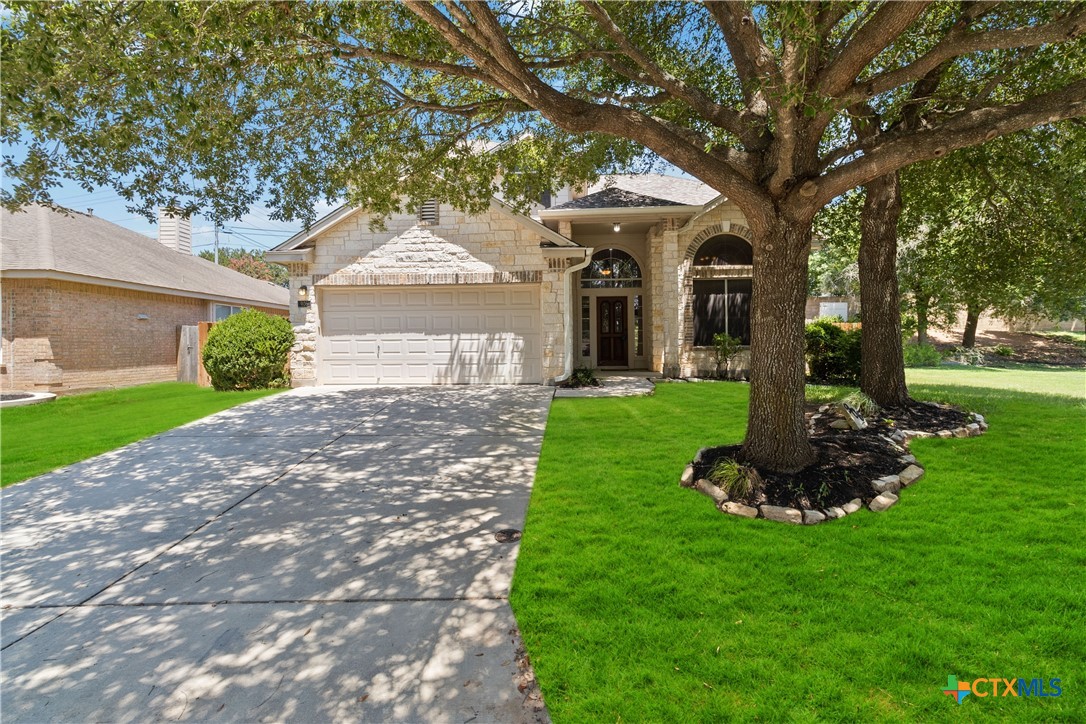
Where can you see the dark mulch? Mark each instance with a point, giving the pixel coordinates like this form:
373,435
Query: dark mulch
4,397
847,462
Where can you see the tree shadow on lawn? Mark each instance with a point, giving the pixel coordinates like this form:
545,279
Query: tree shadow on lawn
637,600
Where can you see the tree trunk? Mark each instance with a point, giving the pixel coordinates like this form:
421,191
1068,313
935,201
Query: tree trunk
882,366
923,301
776,434
972,316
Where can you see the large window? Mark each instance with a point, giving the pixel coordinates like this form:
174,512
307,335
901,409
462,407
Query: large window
721,305
721,294
609,269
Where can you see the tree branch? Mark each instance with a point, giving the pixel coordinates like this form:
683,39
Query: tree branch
713,112
961,42
896,150
451,69
754,61
490,50
880,30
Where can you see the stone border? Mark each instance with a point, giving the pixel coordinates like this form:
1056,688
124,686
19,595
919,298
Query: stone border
885,488
34,399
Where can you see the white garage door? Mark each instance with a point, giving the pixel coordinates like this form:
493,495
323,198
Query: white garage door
431,335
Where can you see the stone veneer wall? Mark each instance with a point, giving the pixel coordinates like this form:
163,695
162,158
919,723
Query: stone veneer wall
63,336
491,237
671,249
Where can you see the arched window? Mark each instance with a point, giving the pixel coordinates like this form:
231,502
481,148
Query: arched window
721,298
611,268
725,250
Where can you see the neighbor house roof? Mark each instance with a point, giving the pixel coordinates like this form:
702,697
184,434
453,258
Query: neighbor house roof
641,190
41,242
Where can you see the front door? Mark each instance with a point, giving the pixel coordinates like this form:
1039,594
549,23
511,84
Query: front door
611,332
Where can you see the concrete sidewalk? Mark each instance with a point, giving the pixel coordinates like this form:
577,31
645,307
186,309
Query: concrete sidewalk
323,554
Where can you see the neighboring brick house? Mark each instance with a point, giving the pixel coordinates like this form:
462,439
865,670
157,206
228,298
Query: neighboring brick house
86,304
637,272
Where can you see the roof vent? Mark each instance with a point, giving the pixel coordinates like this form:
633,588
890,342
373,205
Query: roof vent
175,232
428,212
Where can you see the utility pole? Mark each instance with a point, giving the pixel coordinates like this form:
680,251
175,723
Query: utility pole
216,242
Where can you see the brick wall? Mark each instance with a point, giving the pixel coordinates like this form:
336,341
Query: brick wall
63,336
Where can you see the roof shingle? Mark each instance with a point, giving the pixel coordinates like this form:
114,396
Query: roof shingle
41,239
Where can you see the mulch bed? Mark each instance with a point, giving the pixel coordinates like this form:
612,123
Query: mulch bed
847,462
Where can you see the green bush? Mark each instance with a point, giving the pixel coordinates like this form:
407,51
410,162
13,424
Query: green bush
861,403
248,351
581,377
724,348
1003,350
833,354
738,481
921,355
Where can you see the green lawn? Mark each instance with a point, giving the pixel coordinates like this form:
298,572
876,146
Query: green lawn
1041,379
39,438
638,601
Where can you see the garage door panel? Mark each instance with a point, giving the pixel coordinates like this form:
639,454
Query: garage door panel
421,335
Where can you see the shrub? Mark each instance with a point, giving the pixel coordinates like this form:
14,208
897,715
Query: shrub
738,481
724,348
248,351
861,403
581,377
921,355
965,355
833,354
1003,350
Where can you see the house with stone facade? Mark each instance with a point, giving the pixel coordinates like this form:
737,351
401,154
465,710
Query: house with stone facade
87,304
636,272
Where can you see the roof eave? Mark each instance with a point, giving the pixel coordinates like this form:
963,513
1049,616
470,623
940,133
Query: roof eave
531,224
54,275
611,212
286,257
322,225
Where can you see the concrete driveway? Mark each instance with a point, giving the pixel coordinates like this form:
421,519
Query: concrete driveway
323,554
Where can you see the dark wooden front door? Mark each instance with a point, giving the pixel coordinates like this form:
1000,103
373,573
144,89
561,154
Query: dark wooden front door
611,331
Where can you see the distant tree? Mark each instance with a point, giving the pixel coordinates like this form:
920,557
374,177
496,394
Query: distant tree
833,267
250,263
1000,228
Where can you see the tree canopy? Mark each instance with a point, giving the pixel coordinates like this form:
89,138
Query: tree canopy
212,106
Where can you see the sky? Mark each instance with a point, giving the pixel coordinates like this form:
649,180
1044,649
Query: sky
254,231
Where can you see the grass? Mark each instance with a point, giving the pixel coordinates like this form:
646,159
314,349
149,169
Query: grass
1039,379
38,438
638,601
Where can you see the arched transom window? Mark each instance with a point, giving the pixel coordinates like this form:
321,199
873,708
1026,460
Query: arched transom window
611,268
725,250
721,293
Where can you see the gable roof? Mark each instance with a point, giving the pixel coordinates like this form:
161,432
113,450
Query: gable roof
625,191
39,241
550,236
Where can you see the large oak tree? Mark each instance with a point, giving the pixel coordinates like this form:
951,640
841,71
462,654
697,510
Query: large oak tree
217,105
